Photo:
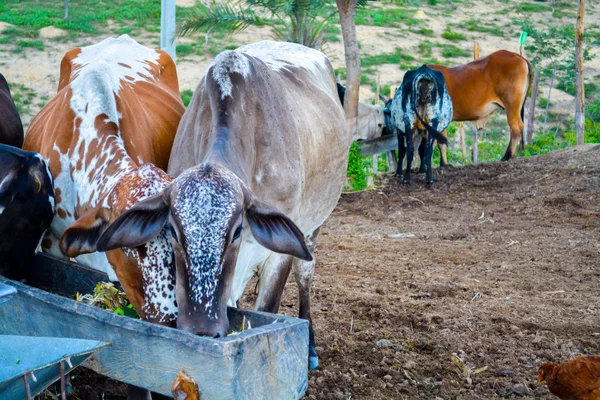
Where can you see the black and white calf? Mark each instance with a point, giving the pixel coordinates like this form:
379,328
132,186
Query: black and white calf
26,208
422,104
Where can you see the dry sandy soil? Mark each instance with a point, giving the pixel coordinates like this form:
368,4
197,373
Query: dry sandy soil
503,271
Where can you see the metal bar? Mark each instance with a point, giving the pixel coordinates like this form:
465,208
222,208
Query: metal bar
379,145
167,27
27,388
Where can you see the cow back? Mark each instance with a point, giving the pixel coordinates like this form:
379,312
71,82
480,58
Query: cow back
11,127
285,131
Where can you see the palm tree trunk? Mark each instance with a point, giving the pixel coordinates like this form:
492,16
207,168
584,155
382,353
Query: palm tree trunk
347,10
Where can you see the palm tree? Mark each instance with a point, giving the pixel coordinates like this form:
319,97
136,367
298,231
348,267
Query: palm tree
297,21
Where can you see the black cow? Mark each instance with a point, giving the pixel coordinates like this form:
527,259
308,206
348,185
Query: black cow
26,208
11,128
421,103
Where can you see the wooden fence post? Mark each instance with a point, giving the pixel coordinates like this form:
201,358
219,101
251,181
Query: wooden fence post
534,94
461,135
580,96
475,149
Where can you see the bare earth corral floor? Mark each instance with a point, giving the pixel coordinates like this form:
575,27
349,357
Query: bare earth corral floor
503,270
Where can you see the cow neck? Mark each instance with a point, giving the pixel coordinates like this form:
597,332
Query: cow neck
223,153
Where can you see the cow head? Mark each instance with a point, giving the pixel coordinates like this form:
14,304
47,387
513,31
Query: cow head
206,210
146,271
370,122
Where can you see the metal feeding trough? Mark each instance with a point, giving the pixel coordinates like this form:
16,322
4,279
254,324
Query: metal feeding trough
268,361
31,364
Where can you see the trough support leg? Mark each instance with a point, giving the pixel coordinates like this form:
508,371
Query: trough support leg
27,388
63,388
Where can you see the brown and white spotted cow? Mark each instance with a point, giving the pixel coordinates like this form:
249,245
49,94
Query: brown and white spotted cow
107,136
263,142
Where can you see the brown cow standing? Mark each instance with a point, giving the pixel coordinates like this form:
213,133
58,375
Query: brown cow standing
478,89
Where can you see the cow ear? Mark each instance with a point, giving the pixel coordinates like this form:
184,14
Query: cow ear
275,231
136,226
7,191
82,236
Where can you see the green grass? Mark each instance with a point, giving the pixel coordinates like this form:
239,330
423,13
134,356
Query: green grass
380,17
426,32
186,96
453,36
85,16
36,44
451,51
386,58
475,25
185,49
534,7
23,97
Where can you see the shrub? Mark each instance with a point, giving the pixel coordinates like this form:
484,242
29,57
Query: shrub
357,172
186,96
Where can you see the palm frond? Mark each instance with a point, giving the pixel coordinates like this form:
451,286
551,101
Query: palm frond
219,17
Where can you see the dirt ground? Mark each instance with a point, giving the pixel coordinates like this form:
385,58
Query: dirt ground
503,270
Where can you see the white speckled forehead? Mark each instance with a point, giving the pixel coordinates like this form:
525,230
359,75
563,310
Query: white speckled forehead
278,55
204,203
123,56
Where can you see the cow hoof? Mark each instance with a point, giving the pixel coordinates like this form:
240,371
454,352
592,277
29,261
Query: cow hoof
446,166
421,171
506,157
429,184
313,362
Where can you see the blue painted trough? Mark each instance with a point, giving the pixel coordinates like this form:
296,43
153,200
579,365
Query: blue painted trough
31,364
268,361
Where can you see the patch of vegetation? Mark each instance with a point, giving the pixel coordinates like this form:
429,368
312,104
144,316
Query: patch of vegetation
87,16
383,17
542,144
386,58
184,49
186,96
36,44
23,97
475,25
425,48
453,36
426,32
534,7
592,133
451,51
358,170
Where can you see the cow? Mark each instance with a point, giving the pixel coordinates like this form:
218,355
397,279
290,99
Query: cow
263,143
421,103
370,121
26,208
11,128
107,137
478,89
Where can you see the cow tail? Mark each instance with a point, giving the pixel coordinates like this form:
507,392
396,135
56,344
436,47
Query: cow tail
528,88
433,132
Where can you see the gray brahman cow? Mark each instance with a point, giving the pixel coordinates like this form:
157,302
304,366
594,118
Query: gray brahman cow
262,143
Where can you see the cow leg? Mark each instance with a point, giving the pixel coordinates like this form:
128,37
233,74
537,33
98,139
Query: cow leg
513,114
443,152
303,273
421,146
271,282
401,154
409,157
428,156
